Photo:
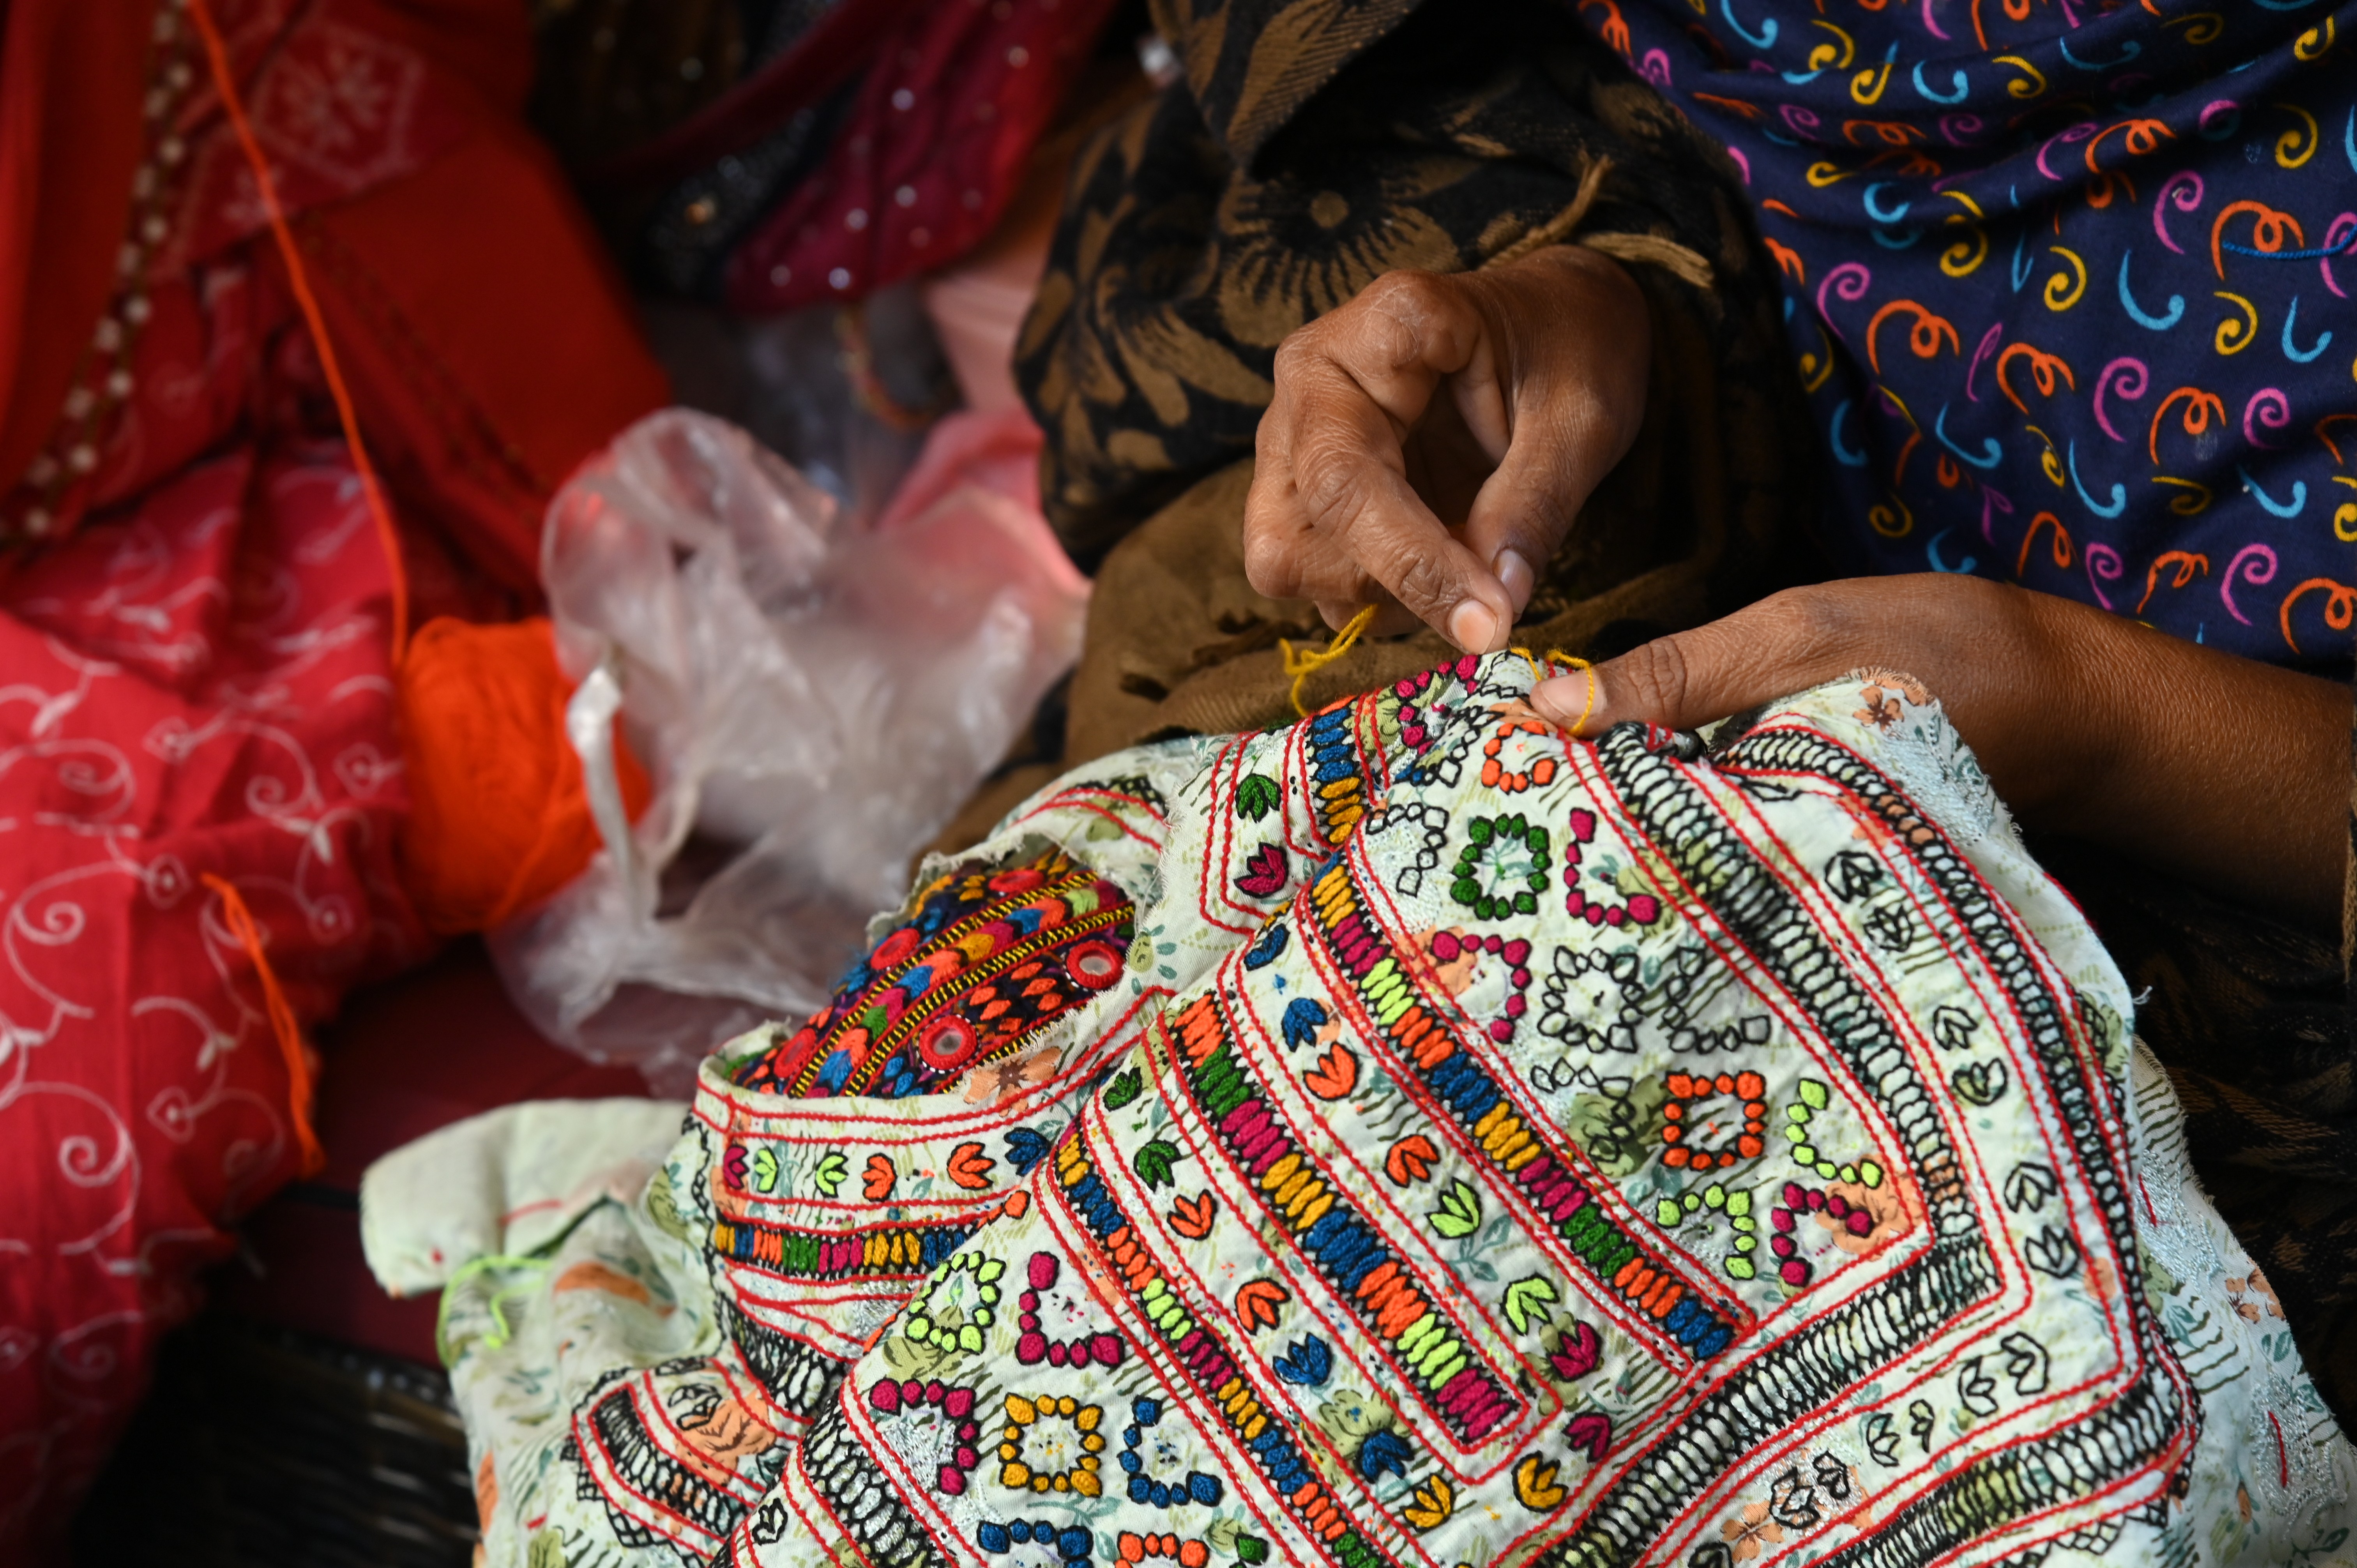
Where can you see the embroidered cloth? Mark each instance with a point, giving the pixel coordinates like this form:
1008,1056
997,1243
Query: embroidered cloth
1493,1146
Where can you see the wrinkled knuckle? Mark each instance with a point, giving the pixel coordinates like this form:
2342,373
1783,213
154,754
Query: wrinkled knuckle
1378,343
1658,675
1329,480
1272,559
1300,347
1803,623
1425,585
1400,311
1399,290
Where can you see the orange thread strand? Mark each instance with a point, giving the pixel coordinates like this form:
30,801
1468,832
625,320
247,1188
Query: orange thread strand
300,282
282,1021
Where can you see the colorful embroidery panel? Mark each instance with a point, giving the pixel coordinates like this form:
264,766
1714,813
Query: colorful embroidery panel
1327,1184
990,956
1798,1215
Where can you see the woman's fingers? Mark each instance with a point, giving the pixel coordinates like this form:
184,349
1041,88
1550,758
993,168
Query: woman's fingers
1779,646
1542,364
1358,535
1572,377
1340,525
1331,516
2228,771
1993,654
1393,341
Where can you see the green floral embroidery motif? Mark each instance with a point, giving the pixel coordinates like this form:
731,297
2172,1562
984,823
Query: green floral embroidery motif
1154,1160
1257,796
959,1304
1502,868
1459,1213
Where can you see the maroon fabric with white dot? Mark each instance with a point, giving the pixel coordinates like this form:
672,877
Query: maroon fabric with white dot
950,109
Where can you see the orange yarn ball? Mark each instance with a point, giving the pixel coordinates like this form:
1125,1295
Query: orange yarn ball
499,812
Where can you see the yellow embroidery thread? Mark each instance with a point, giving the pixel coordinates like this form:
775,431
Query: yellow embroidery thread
1303,662
1557,655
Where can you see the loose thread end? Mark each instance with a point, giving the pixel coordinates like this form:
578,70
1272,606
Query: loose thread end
1571,661
503,1328
248,932
299,282
1303,662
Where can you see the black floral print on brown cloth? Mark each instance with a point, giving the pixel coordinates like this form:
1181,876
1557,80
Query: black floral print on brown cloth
1309,148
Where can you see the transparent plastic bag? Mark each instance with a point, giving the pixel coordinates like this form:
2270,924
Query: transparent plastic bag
813,702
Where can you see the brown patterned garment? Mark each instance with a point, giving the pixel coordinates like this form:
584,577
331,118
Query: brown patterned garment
1219,217
1309,148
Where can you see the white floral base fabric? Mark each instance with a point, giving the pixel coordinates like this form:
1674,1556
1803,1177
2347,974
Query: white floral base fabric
1494,1148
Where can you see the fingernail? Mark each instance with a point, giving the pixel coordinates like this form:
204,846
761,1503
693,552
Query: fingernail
1516,574
1575,701
1474,625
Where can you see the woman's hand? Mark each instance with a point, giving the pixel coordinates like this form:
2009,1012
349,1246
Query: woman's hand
1431,441
2230,772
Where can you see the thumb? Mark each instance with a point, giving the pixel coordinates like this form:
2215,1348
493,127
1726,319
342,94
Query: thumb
1783,644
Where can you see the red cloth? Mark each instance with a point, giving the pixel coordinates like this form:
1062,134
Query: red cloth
201,685
193,671
488,341
953,100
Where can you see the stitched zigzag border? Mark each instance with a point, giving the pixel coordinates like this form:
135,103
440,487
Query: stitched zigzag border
2154,1417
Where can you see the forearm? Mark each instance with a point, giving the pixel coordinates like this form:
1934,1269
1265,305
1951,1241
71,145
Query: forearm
2232,773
